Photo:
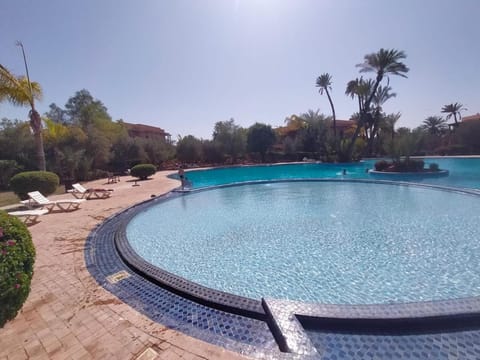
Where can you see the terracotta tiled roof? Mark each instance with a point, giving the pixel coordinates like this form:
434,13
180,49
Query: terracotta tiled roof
344,123
140,128
471,117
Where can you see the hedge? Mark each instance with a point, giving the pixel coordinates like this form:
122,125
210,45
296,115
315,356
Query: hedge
17,256
25,182
143,171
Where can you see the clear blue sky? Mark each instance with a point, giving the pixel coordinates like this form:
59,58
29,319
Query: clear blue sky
183,65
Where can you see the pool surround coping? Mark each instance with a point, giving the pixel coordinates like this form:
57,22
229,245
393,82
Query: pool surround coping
287,319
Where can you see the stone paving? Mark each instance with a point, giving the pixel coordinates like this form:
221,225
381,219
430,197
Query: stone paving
68,316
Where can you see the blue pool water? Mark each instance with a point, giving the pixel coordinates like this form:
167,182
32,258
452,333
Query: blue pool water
330,242
464,172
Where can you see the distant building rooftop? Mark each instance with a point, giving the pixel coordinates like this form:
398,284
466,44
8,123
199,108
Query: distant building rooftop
471,117
344,124
146,131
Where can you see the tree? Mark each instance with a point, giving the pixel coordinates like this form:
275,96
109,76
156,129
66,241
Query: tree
82,108
453,110
324,82
408,141
383,63
230,138
315,136
361,89
189,149
21,92
65,148
260,137
387,132
83,111
57,114
468,135
17,143
371,129
434,125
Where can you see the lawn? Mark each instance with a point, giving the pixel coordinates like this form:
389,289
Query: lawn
9,198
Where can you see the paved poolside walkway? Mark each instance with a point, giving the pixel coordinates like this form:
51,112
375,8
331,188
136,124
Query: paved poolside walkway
68,316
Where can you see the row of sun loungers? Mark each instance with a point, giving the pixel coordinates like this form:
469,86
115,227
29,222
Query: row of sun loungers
29,217
39,205
82,193
36,199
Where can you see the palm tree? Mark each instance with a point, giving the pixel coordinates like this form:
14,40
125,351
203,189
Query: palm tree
435,125
324,82
361,89
453,110
383,63
20,91
382,95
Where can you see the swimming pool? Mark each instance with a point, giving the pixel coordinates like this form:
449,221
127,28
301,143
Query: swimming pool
463,172
338,242
412,327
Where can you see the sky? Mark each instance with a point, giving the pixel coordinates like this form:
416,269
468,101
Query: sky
184,65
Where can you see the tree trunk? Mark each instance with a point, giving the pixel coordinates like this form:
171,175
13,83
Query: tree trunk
455,118
36,124
363,115
333,115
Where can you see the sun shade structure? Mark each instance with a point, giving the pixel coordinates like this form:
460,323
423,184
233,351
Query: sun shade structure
29,217
37,199
81,192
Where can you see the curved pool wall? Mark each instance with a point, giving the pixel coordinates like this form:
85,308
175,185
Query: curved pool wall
324,332
245,335
463,172
330,241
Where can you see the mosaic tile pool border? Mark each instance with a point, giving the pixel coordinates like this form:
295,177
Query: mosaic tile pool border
283,317
237,333
206,296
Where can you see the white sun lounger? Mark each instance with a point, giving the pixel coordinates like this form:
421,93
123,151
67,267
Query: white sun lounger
29,217
38,199
81,192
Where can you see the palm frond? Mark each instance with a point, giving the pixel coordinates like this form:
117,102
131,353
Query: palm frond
324,82
385,62
16,90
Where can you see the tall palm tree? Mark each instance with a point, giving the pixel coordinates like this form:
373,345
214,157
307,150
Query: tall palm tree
324,82
453,110
383,63
361,89
20,91
382,95
390,120
435,125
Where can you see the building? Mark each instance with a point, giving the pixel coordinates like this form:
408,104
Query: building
475,117
147,132
344,125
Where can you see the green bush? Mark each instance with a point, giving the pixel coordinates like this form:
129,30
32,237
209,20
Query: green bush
406,165
143,171
43,181
17,256
8,168
381,165
433,167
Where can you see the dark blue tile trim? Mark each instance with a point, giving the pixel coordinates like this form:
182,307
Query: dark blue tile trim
190,290
237,333
286,320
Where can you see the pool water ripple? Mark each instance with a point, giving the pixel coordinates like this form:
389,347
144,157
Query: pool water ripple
329,242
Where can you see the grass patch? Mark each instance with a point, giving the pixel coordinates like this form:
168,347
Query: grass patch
9,197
